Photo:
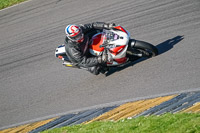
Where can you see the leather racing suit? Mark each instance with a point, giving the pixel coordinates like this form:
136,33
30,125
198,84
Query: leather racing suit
78,53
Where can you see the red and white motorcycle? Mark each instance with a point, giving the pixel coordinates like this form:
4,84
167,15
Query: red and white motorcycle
117,44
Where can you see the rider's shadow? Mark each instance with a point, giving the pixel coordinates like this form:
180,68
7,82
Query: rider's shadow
169,44
162,48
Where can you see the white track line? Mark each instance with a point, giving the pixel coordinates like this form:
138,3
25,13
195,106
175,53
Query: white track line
99,106
15,5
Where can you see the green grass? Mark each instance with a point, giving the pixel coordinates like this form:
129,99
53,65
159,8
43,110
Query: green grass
7,3
167,123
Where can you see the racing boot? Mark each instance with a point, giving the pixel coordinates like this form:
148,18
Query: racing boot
94,70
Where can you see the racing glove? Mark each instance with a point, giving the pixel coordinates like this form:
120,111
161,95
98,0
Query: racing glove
109,25
104,58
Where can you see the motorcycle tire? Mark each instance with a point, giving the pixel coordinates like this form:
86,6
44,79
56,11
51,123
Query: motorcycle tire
145,48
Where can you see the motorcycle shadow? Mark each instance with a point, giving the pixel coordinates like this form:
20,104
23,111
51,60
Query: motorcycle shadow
162,48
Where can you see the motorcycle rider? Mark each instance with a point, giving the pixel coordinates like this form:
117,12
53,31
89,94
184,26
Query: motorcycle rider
76,44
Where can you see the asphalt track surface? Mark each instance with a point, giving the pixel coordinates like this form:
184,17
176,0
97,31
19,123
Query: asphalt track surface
34,84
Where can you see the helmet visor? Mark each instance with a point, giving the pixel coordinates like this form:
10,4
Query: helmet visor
77,37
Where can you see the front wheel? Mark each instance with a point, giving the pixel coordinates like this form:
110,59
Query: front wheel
143,49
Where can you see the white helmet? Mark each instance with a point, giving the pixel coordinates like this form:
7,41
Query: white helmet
74,33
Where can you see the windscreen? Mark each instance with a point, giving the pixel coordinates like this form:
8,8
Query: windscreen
109,36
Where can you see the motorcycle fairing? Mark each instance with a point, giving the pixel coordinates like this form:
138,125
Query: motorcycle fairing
94,47
116,41
121,28
117,50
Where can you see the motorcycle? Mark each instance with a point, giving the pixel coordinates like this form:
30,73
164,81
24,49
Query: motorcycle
117,44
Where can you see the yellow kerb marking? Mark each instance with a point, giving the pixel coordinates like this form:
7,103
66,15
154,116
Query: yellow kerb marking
27,128
14,130
195,108
131,109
